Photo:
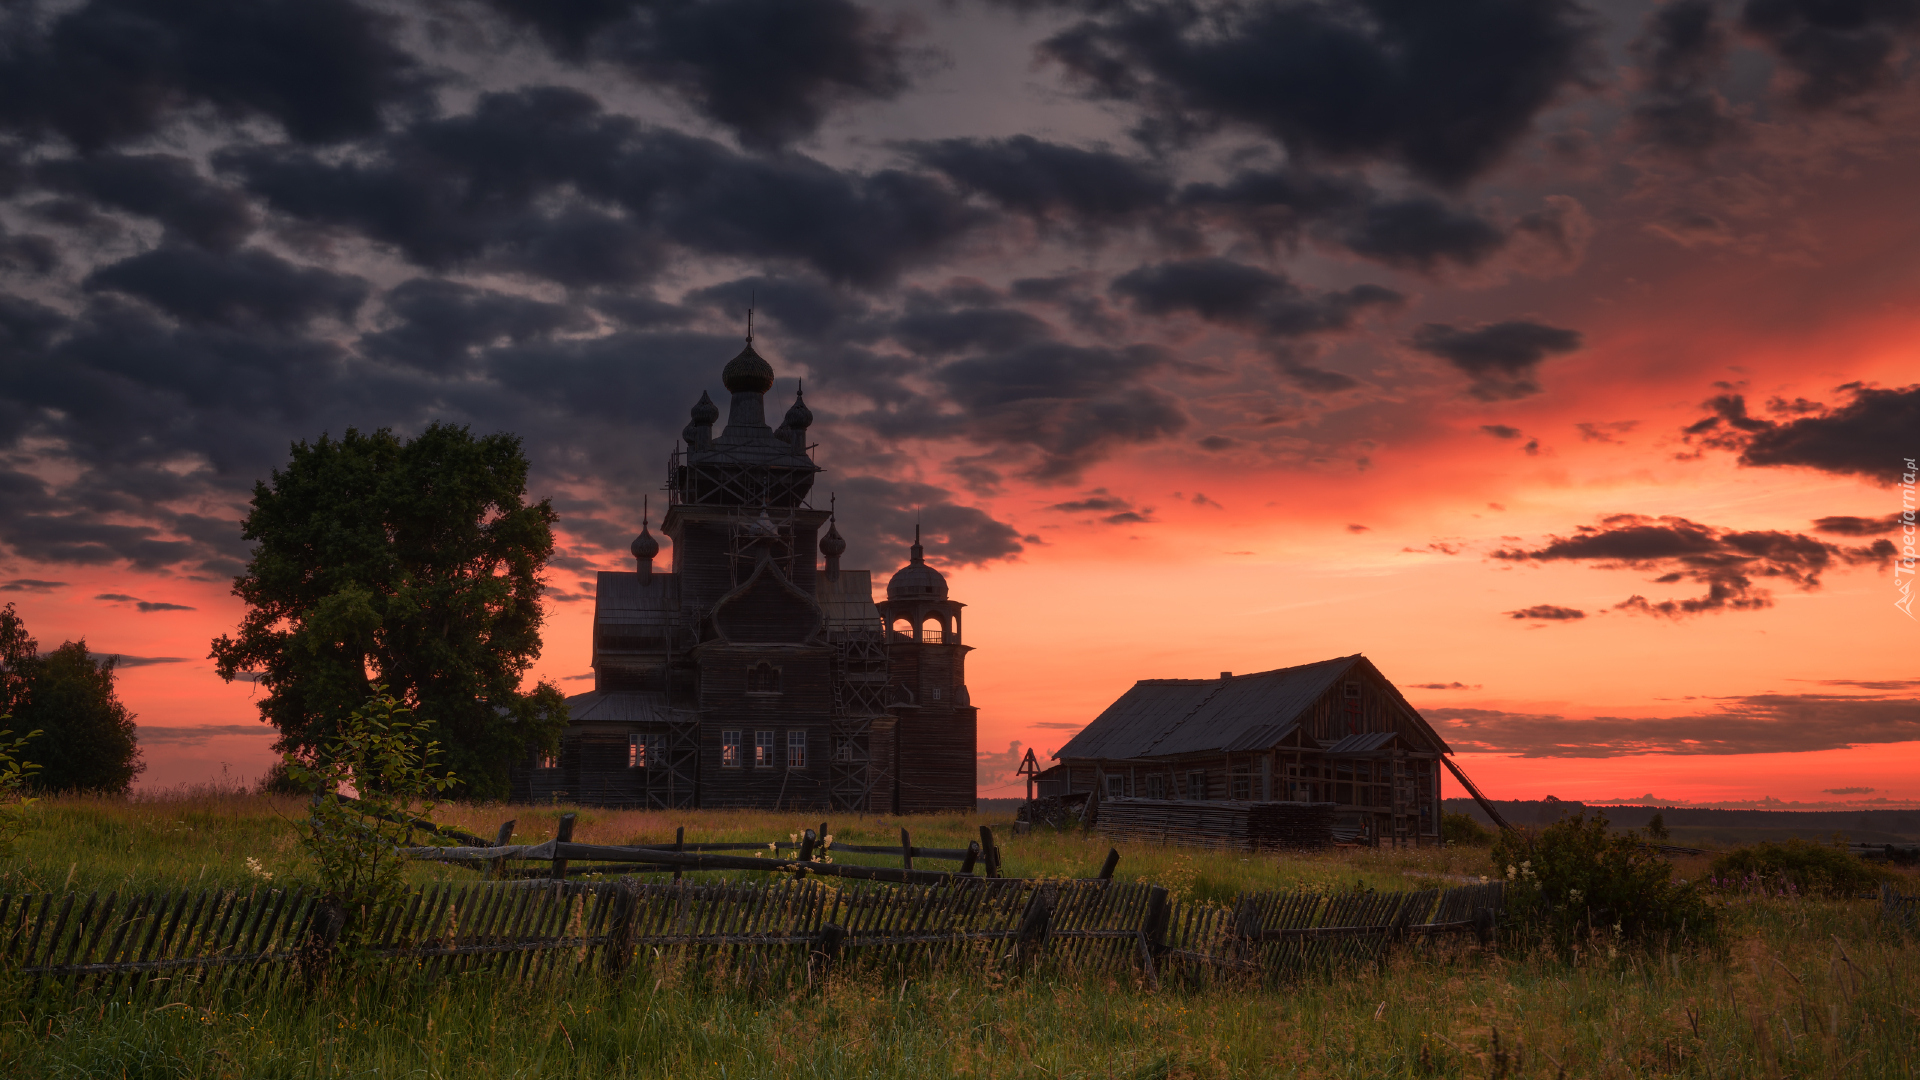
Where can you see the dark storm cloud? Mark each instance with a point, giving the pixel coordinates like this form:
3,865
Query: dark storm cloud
1442,89
1312,379
1342,210
1683,50
27,252
1726,561
1841,52
447,192
1843,525
32,585
1548,612
946,333
1045,180
1501,431
109,71
442,325
1233,293
1073,404
1869,436
1503,358
167,189
1751,724
770,70
248,288
877,516
808,308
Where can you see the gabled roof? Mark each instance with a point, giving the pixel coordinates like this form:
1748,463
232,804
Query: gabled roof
1163,717
1364,743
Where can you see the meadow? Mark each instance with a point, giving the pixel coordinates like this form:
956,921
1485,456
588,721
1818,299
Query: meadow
1799,986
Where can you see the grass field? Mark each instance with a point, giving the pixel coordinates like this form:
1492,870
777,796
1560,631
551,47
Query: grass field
1802,987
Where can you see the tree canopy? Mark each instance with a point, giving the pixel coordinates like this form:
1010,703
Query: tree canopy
87,738
413,564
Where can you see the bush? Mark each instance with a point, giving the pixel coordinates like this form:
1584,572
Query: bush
355,842
1806,867
1463,830
14,777
1575,880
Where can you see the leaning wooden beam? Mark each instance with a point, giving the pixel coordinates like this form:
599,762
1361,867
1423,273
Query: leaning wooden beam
1475,792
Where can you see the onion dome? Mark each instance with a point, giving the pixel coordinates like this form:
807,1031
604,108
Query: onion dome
917,580
705,412
645,547
747,373
799,418
833,545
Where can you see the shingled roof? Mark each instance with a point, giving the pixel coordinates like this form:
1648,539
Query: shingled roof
1165,717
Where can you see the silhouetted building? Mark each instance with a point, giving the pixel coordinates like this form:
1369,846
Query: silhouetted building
1330,732
752,674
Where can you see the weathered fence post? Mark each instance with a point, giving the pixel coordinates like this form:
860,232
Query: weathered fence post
316,948
506,834
679,844
973,855
906,849
1034,924
1483,925
822,951
562,835
806,846
1246,930
989,851
619,943
1151,939
1107,867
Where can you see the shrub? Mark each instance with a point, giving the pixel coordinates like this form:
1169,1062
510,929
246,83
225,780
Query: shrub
14,776
1805,866
1463,830
356,842
1576,879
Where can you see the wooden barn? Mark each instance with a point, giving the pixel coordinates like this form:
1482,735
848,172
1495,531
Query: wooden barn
1333,732
756,672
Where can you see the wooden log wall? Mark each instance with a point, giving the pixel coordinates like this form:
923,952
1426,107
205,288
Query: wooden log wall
1243,826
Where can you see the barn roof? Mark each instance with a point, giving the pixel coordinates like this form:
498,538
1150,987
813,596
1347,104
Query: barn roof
1162,717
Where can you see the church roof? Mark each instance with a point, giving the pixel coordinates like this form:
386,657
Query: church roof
1166,717
848,600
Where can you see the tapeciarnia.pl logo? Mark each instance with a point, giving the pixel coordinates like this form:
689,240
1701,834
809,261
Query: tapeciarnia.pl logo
1903,566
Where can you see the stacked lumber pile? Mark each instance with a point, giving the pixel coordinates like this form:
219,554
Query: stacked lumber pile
1059,811
1241,826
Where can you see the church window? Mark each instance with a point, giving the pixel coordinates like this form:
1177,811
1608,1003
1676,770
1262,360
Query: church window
645,751
763,749
934,694
796,749
763,678
729,749
636,752
545,760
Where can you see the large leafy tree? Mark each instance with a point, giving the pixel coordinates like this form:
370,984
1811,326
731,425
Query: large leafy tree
86,739
413,564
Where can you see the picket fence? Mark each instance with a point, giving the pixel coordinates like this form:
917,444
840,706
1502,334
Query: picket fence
197,945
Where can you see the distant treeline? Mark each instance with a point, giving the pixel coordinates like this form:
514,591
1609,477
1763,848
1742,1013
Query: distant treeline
1541,812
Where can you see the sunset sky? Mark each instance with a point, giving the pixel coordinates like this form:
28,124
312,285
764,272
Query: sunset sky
1561,358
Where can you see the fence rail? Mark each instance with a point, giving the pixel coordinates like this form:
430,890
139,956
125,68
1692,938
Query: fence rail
192,945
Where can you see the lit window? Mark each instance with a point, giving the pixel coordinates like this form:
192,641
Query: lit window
546,761
729,749
796,749
763,749
636,752
646,751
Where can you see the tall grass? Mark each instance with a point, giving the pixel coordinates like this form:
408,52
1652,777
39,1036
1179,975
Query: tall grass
1804,987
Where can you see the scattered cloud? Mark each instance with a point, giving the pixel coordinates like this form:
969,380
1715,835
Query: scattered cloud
1860,438
1444,686
196,736
1358,528
1750,724
1848,791
1858,526
32,585
1502,359
1726,561
1607,431
1548,612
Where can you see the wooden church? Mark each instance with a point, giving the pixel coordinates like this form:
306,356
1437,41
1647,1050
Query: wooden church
757,672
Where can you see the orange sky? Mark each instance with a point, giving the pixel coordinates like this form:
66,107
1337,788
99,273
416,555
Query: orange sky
975,260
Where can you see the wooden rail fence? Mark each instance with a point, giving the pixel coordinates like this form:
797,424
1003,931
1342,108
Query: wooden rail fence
195,945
